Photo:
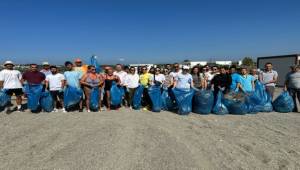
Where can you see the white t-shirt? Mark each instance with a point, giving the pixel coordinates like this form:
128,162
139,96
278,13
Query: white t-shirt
55,81
122,75
132,80
160,77
11,79
174,74
183,80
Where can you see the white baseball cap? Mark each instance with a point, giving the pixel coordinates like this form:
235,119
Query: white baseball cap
185,67
8,62
45,63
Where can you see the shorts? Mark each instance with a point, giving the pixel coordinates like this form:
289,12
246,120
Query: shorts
17,92
57,95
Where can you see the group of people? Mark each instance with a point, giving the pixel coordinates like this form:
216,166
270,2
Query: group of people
86,78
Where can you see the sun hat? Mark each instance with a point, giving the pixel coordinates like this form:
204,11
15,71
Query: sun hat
45,63
8,62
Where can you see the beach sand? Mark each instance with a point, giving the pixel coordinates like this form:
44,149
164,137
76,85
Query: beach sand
129,139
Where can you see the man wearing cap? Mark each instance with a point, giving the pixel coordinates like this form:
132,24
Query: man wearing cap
46,68
10,81
183,79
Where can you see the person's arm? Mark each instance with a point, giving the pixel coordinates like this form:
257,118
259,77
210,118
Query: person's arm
46,83
1,80
253,85
83,80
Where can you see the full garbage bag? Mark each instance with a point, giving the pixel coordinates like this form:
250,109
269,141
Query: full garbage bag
167,102
116,95
33,92
203,101
155,96
259,100
137,97
94,99
235,103
4,99
72,96
94,62
184,99
46,101
283,103
219,107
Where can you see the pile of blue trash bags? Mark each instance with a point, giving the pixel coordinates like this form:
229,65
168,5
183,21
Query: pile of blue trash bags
185,101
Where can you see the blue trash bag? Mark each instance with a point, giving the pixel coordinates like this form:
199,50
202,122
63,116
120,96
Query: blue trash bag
46,101
95,63
137,97
167,103
33,92
4,99
72,96
284,103
203,101
94,99
259,100
155,96
220,108
235,103
184,99
115,95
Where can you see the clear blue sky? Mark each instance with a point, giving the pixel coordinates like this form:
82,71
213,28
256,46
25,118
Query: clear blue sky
147,31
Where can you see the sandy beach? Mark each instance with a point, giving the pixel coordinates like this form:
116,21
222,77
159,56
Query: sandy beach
129,139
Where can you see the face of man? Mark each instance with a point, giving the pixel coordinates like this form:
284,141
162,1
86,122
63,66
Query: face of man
185,71
144,70
46,67
176,67
118,68
78,63
222,71
244,71
168,66
33,68
214,69
268,67
53,70
254,71
232,70
132,70
69,67
9,66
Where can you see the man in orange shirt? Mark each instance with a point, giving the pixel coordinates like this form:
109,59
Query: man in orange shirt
80,67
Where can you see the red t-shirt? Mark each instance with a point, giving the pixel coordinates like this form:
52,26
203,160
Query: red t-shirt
34,77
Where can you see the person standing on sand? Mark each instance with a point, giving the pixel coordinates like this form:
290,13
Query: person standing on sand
234,78
221,81
10,81
292,84
184,79
131,82
109,79
89,81
73,79
198,78
122,75
269,78
56,82
145,79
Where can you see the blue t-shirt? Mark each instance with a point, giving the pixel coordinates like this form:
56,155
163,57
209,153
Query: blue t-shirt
246,82
73,78
235,79
183,81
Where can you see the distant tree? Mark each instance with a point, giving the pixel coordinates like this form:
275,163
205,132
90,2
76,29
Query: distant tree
248,61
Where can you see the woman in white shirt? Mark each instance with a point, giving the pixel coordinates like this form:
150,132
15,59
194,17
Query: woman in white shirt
131,83
158,78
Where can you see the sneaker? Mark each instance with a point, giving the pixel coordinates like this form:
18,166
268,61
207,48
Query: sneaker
88,111
63,110
145,109
20,110
54,110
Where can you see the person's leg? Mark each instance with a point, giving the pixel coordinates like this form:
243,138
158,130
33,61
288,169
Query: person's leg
131,93
298,96
100,99
19,93
292,92
8,105
270,90
127,97
61,100
107,93
87,92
